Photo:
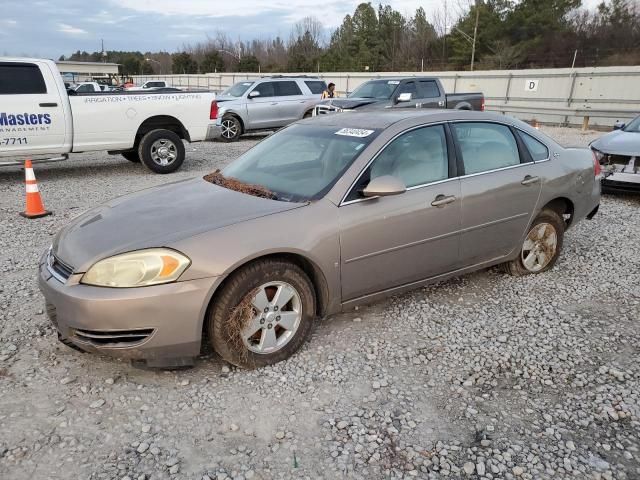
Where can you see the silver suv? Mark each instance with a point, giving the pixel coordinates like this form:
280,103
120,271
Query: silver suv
265,104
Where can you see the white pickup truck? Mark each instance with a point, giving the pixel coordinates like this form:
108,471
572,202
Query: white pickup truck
39,120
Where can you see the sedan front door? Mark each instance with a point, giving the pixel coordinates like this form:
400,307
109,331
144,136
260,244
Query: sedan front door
392,241
500,190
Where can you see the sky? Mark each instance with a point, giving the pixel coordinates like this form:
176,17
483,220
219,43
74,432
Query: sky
52,28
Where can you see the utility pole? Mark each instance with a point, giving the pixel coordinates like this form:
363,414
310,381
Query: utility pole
444,38
475,35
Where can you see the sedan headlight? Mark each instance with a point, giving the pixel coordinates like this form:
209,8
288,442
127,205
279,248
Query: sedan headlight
137,269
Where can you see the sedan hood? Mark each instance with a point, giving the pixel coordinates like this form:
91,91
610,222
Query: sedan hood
350,102
156,217
619,142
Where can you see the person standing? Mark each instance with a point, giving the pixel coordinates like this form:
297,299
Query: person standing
330,92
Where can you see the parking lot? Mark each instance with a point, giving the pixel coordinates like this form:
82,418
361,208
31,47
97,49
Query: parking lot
483,376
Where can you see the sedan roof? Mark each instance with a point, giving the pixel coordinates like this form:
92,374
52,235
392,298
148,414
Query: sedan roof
386,118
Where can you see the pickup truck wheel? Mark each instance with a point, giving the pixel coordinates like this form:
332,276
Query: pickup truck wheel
231,129
161,151
263,314
132,156
541,247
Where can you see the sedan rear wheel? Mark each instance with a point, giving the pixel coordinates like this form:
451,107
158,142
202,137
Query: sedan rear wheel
263,314
541,247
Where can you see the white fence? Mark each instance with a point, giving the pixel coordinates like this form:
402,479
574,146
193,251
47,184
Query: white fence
598,96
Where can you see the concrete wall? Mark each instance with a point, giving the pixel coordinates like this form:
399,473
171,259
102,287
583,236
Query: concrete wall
600,95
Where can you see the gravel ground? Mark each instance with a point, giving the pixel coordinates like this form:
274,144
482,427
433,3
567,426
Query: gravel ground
484,376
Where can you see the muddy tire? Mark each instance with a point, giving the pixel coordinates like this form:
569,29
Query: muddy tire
541,247
231,129
263,314
132,156
161,151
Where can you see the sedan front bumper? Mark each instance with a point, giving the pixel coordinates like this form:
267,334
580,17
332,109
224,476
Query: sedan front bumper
160,324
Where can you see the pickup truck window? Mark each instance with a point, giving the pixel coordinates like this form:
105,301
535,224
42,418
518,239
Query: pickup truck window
429,89
21,79
486,146
381,89
285,89
409,87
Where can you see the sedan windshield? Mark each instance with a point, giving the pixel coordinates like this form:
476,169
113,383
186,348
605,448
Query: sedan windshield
301,162
633,125
237,90
380,89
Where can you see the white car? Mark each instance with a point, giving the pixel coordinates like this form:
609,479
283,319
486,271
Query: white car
151,84
86,87
39,119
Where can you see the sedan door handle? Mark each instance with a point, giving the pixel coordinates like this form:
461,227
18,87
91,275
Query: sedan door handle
529,180
45,105
442,200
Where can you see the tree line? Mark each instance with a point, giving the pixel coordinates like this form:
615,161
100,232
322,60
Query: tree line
508,34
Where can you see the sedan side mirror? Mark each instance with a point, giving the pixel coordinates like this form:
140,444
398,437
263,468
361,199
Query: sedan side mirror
254,93
384,186
619,125
404,97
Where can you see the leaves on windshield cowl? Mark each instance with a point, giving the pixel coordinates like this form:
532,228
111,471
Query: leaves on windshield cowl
233,184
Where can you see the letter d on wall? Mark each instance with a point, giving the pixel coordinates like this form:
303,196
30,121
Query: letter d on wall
531,85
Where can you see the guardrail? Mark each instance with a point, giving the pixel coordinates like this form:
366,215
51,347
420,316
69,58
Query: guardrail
582,96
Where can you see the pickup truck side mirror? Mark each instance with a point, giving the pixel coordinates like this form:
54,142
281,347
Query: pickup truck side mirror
384,186
404,97
618,125
254,93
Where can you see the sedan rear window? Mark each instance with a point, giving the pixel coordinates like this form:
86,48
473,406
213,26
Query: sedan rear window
301,162
537,149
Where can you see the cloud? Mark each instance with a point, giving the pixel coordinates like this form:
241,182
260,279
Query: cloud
64,28
8,22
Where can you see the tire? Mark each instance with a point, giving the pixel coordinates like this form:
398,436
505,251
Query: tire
161,151
132,156
541,247
231,129
271,343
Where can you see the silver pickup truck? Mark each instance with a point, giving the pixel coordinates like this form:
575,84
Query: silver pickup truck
265,104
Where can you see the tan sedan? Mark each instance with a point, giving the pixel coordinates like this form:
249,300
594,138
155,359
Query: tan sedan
327,214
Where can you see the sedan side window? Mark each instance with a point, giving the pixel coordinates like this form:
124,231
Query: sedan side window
537,149
265,89
486,146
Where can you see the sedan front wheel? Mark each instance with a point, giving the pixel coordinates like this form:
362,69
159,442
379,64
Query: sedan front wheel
263,314
541,247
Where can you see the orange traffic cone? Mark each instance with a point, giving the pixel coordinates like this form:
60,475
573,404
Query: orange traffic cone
35,207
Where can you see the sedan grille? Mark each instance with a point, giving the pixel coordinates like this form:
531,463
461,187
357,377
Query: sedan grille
113,338
58,268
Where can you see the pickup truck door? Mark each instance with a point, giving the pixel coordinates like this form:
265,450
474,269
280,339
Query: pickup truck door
411,87
32,110
431,96
291,101
262,110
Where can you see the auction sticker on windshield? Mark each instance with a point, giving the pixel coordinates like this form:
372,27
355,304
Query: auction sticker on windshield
354,132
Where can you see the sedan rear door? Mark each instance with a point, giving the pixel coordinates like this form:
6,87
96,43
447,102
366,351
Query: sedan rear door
500,189
392,241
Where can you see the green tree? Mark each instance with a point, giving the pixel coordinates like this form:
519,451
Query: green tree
212,62
248,63
184,63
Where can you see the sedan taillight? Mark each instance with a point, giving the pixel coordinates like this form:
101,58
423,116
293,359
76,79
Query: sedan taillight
213,113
